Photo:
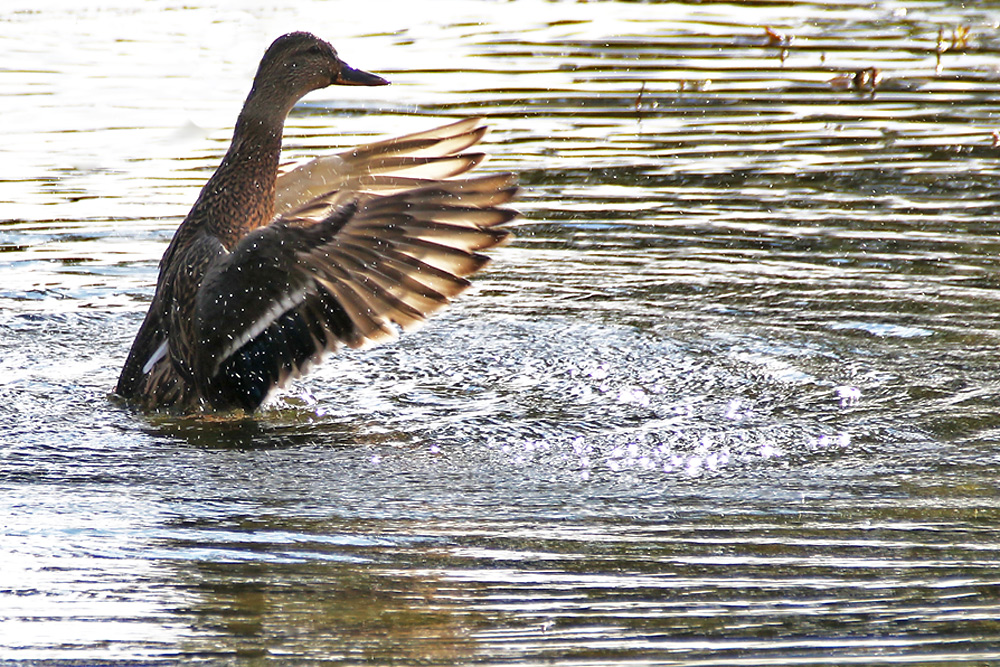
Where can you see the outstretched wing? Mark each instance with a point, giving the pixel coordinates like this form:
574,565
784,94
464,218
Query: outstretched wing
348,268
387,166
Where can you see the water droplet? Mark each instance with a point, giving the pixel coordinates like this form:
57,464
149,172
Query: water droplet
849,395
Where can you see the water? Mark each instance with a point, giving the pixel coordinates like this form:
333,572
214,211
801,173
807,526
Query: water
729,398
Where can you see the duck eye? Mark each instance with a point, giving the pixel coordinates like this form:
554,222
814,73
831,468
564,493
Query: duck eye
314,50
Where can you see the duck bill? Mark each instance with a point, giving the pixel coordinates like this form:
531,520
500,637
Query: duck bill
355,77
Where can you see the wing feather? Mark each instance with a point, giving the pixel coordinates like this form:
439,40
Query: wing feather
384,166
348,267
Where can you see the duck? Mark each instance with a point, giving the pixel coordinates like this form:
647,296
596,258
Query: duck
276,265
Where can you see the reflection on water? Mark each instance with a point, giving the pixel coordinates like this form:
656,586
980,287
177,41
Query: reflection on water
729,398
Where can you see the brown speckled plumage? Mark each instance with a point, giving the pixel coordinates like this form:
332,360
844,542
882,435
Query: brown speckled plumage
275,267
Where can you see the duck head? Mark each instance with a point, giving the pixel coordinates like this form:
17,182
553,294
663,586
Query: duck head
300,62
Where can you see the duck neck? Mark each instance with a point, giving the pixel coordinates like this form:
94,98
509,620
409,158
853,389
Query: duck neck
240,195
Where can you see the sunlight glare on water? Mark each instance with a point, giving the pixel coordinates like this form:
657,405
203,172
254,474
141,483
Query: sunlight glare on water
729,396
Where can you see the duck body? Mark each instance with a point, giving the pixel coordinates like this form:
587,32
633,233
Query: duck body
274,268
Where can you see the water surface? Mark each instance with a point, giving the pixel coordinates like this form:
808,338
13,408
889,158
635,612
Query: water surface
730,397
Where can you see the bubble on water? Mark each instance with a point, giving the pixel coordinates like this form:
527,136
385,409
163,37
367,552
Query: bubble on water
848,395
599,372
733,410
768,451
693,466
839,440
634,396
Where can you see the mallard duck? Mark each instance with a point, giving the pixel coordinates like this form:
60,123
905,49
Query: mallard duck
275,267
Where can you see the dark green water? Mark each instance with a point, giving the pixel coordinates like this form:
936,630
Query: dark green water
730,398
